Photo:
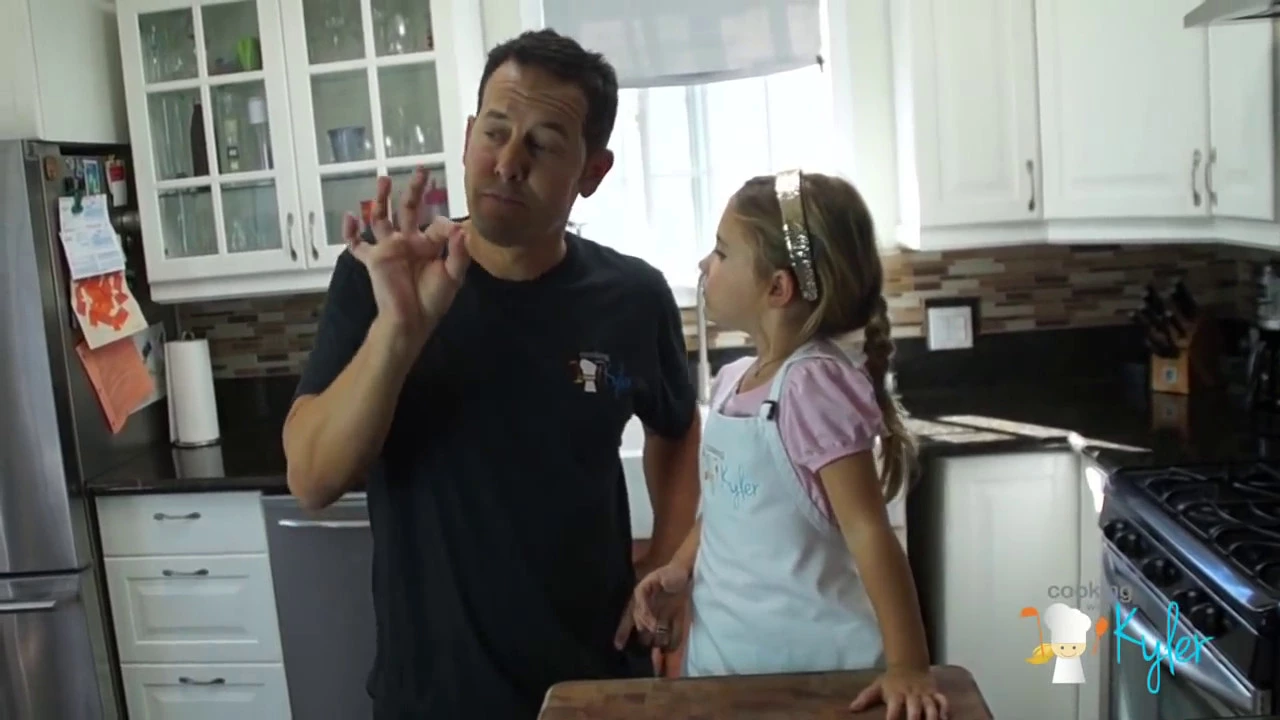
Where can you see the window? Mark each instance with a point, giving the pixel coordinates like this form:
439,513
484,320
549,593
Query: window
681,152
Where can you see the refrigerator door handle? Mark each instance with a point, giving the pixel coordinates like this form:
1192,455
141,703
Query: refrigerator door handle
21,606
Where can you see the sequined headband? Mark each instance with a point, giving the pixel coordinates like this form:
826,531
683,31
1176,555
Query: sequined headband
796,231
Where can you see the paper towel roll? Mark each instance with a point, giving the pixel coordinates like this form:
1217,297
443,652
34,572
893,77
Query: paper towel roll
193,410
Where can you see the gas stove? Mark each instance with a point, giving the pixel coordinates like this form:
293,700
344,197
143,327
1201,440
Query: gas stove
1208,539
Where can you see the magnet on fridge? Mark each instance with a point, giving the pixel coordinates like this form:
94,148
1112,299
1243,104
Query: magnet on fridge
92,177
51,170
116,183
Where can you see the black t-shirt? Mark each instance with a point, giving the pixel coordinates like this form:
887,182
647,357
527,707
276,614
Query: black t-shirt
501,525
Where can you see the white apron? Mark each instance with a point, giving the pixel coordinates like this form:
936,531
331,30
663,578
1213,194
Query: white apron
774,586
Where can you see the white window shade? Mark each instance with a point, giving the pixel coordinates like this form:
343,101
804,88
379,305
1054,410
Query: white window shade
686,42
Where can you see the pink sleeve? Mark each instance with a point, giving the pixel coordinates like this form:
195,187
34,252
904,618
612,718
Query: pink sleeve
827,411
728,373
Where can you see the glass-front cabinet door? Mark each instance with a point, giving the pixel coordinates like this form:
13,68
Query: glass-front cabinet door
209,120
366,82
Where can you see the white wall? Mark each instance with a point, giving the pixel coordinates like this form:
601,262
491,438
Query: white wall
861,62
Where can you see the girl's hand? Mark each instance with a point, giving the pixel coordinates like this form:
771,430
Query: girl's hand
659,602
911,690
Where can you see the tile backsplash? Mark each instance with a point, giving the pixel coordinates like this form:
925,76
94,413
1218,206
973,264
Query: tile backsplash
1018,288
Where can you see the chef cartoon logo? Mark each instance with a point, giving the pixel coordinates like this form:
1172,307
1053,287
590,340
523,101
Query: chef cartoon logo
589,370
595,372
1068,638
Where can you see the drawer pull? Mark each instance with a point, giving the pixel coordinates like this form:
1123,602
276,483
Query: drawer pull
190,681
165,516
179,573
19,606
330,524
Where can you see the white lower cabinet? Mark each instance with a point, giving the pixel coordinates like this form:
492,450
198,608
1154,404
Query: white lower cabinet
206,692
193,606
1000,533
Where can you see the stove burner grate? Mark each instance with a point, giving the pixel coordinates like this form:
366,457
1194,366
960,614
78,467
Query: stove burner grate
1235,509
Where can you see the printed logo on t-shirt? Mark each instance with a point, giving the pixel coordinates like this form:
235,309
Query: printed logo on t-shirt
596,373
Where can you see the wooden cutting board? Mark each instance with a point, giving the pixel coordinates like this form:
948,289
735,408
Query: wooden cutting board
809,696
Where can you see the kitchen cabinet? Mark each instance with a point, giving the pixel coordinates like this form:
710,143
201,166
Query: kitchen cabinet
193,605
1025,121
990,535
257,125
1241,165
60,72
968,113
1124,105
1156,130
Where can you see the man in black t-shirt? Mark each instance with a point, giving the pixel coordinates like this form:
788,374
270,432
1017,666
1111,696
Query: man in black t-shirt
479,374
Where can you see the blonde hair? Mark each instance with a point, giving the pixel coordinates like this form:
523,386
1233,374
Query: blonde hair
850,278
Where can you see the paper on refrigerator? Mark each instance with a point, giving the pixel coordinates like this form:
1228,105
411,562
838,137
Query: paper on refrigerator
106,309
89,242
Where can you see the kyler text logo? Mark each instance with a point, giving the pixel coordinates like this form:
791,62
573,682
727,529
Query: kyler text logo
1069,630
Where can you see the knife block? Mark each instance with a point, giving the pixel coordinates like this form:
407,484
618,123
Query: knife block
1196,365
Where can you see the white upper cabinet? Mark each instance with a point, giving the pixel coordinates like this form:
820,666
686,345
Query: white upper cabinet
258,124
369,69
1124,106
968,115
209,114
60,72
1241,177
1071,121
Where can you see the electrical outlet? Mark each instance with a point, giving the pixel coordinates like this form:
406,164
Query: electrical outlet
949,326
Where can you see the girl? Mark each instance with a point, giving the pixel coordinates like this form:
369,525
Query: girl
793,565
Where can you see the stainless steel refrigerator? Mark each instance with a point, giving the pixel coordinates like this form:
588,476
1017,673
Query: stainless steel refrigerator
57,658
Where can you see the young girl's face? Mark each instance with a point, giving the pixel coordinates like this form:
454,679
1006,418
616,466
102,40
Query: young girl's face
734,291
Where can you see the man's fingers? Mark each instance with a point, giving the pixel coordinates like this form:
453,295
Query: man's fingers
411,199
624,629
381,205
459,258
356,245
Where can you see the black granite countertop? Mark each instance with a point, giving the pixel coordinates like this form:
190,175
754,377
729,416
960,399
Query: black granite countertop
1110,420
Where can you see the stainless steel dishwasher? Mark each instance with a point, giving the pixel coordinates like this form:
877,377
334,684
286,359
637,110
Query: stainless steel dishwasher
321,566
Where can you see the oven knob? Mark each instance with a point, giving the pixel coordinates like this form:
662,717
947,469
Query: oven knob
1209,619
1130,543
1188,598
1114,528
1161,572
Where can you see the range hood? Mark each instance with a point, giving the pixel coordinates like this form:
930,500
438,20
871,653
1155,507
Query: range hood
1216,12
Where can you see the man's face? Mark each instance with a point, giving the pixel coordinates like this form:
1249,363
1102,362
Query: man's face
526,160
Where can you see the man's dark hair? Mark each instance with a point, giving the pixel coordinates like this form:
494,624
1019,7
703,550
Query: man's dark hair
564,58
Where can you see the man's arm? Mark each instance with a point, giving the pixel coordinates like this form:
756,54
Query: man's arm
673,433
671,474
347,392
330,439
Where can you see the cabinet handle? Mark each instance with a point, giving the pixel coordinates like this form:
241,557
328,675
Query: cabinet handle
165,516
182,573
1208,176
191,681
1031,172
329,524
293,250
311,230
1196,157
